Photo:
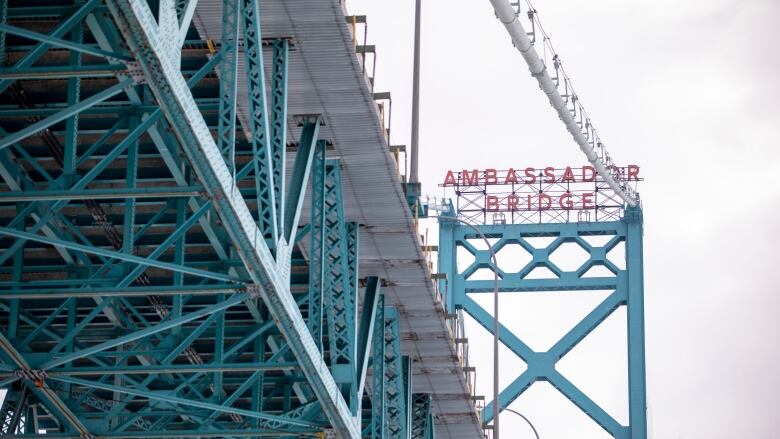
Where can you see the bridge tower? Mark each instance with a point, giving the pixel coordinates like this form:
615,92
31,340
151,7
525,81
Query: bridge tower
625,286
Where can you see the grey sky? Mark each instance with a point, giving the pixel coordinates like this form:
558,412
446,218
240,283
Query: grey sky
689,91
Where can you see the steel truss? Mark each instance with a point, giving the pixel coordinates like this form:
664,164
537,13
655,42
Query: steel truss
392,410
626,286
151,279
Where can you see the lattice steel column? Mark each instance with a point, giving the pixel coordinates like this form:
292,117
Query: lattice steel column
258,122
317,248
422,418
228,84
396,379
340,285
378,403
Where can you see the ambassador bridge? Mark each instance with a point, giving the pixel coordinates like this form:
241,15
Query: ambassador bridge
204,233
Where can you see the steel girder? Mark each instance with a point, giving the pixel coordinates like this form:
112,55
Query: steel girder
135,246
340,285
422,417
391,399
334,277
626,286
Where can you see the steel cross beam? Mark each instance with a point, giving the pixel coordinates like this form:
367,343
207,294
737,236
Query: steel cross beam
145,40
626,286
150,262
100,194
40,389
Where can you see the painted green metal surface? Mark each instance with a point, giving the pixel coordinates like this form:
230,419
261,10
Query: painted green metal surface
625,286
151,283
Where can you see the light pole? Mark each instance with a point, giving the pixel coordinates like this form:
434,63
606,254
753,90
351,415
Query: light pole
413,176
526,420
496,403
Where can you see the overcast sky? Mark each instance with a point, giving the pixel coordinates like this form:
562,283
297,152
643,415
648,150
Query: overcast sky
688,91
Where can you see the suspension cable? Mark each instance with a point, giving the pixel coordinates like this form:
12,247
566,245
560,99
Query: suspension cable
561,94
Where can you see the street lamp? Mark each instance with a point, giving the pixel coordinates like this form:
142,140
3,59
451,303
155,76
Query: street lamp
496,403
526,420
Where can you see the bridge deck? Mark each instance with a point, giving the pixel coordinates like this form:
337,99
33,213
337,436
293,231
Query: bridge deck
325,77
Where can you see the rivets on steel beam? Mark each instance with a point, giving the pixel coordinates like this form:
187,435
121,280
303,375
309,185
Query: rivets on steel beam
253,290
136,72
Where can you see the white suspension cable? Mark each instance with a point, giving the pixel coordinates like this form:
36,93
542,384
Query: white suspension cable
566,103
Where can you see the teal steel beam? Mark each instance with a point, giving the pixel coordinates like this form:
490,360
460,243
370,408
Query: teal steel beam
588,323
61,30
219,349
59,42
64,293
408,397
108,38
187,341
137,24
172,239
258,122
102,194
568,282
339,291
170,368
62,72
422,418
149,330
54,208
23,316
378,426
16,180
228,83
396,420
166,397
588,406
299,178
302,232
371,300
317,248
117,106
3,20
506,336
117,255
178,434
138,314
185,9
278,131
39,387
179,248
131,173
245,385
101,142
637,412
541,365
65,113
72,122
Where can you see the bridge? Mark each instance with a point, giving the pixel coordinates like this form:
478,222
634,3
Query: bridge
205,231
